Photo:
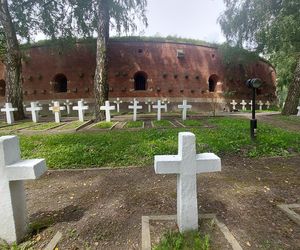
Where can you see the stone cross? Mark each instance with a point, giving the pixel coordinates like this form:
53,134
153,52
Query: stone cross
268,104
8,109
159,107
233,103
13,171
68,104
118,102
166,102
81,108
135,107
34,109
184,108
187,164
260,103
107,109
56,108
298,114
250,103
243,103
149,103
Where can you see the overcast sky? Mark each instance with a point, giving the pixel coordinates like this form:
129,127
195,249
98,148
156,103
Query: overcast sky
185,18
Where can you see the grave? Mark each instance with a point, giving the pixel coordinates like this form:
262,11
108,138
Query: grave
165,102
243,103
56,108
68,105
260,103
298,114
13,171
34,109
159,107
107,109
184,108
250,103
268,104
186,165
233,103
118,102
149,103
80,108
8,109
135,107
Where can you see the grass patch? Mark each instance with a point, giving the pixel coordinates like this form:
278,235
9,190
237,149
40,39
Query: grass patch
162,124
44,126
72,125
134,124
18,126
191,123
291,119
179,241
104,125
138,148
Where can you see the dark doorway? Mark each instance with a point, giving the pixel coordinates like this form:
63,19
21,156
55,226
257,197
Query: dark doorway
2,87
60,83
140,81
212,83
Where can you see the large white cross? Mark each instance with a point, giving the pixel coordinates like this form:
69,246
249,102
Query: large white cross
34,109
260,103
56,108
81,108
107,109
118,102
149,103
187,164
184,108
159,107
251,106
68,104
268,104
8,109
233,103
298,114
135,107
243,103
13,171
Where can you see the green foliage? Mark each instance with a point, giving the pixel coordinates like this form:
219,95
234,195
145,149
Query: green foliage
104,125
24,246
178,241
134,124
162,124
18,126
191,123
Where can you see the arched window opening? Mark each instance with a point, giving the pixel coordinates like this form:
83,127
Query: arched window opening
212,83
60,83
2,87
140,81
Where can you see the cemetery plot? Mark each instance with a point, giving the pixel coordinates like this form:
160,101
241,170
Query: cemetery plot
74,125
191,123
104,125
44,126
162,124
18,126
134,124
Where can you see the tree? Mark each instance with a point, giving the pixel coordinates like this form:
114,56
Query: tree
82,18
271,28
12,61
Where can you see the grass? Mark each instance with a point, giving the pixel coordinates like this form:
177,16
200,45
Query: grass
138,148
134,124
191,123
18,126
162,124
71,125
178,241
104,125
291,118
45,126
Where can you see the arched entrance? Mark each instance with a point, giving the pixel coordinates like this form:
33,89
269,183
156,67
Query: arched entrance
2,88
140,80
60,83
212,83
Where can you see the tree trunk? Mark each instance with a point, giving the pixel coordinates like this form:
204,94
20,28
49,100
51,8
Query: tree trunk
293,96
101,72
14,92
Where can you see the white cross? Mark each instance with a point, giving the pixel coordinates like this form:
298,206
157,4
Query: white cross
81,108
149,103
250,103
159,107
68,104
268,104
135,107
56,108
243,103
118,102
8,109
187,164
233,103
184,108
13,171
166,102
260,103
107,109
34,109
298,114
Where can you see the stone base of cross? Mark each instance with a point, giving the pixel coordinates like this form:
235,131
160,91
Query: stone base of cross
13,171
186,165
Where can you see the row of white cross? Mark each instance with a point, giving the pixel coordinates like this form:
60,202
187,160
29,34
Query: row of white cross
244,104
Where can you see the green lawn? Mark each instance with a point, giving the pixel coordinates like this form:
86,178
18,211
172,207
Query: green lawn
104,125
71,125
138,148
191,123
134,124
162,124
18,126
45,126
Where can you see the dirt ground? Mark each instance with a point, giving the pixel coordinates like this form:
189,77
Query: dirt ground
102,209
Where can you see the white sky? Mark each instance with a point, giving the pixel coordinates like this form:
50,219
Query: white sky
185,18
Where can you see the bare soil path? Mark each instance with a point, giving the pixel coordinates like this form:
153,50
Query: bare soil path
102,209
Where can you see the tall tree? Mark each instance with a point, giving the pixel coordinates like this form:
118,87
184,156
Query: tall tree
270,27
12,61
